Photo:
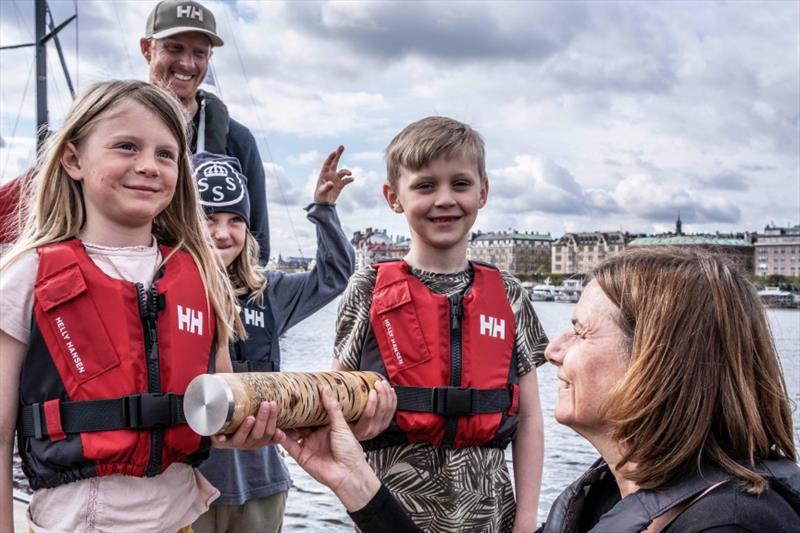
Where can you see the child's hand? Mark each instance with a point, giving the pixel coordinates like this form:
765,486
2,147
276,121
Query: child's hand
378,413
331,181
255,432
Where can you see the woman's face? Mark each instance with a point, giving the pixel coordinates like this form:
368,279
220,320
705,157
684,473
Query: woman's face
591,359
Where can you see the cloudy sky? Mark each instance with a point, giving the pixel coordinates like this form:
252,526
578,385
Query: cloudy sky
596,115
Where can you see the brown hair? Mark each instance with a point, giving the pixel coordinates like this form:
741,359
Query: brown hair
430,138
56,211
704,382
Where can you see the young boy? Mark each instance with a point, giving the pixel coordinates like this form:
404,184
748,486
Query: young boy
459,342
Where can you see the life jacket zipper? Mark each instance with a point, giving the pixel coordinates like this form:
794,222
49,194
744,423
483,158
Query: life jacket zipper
148,311
456,312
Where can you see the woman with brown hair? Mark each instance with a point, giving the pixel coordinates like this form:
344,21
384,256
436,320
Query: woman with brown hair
669,370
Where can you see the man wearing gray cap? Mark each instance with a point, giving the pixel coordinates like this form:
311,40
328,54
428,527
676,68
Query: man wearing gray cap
179,39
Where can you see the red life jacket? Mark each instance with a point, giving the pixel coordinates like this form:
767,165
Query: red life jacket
450,360
106,366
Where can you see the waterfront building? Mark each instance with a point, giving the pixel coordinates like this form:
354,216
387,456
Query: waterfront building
375,244
579,253
518,252
735,246
291,264
777,251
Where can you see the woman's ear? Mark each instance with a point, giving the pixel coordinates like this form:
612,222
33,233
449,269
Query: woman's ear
70,160
391,198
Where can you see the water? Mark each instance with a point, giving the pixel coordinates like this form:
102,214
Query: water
308,347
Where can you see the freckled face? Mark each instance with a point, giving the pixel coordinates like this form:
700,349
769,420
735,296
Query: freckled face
591,360
127,167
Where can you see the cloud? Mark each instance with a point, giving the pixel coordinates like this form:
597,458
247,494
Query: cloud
283,190
366,156
659,201
312,157
540,184
728,180
455,31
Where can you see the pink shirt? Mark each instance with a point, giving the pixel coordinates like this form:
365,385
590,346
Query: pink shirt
166,502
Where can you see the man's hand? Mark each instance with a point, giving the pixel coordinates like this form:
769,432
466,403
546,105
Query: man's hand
331,181
255,432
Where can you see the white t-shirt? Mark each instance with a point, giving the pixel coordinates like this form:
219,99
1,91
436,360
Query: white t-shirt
166,502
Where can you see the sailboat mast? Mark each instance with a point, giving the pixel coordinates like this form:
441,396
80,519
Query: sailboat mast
42,118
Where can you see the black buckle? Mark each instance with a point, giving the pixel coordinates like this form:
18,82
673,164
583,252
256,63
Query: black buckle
453,401
144,411
38,420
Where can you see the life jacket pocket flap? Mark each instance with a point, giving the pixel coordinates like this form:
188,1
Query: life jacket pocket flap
398,329
392,296
71,324
60,287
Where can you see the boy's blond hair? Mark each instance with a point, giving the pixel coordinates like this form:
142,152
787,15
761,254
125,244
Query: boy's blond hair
430,138
56,210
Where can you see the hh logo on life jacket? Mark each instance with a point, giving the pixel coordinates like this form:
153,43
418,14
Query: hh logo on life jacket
190,320
493,327
191,12
253,317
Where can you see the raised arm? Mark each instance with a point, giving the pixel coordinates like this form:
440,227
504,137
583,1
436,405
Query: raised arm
296,296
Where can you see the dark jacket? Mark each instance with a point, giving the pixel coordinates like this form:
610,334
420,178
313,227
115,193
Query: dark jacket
593,503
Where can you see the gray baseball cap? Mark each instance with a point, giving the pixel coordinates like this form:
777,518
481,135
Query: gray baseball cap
171,17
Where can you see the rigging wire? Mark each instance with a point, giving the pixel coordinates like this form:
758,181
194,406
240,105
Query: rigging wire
19,19
263,131
77,44
19,113
122,32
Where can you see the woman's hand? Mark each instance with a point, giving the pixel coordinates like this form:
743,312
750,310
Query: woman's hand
378,413
331,181
332,455
255,432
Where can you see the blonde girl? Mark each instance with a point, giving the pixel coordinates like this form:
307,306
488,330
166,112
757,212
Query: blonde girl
110,303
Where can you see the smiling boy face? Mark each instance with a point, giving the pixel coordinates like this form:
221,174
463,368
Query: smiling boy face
440,202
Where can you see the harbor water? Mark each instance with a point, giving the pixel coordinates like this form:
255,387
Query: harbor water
311,507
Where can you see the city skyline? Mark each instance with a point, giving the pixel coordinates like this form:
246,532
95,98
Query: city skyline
600,116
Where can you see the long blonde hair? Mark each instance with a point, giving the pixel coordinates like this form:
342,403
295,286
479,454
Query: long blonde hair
248,276
56,211
704,382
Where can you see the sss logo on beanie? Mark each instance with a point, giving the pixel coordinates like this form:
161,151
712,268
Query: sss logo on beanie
222,187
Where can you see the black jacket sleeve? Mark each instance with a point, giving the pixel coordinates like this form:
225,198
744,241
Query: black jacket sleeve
383,514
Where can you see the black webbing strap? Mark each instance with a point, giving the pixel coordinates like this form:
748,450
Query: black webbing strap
454,401
253,366
136,411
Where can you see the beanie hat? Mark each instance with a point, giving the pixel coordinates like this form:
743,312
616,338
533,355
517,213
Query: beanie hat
171,17
222,186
